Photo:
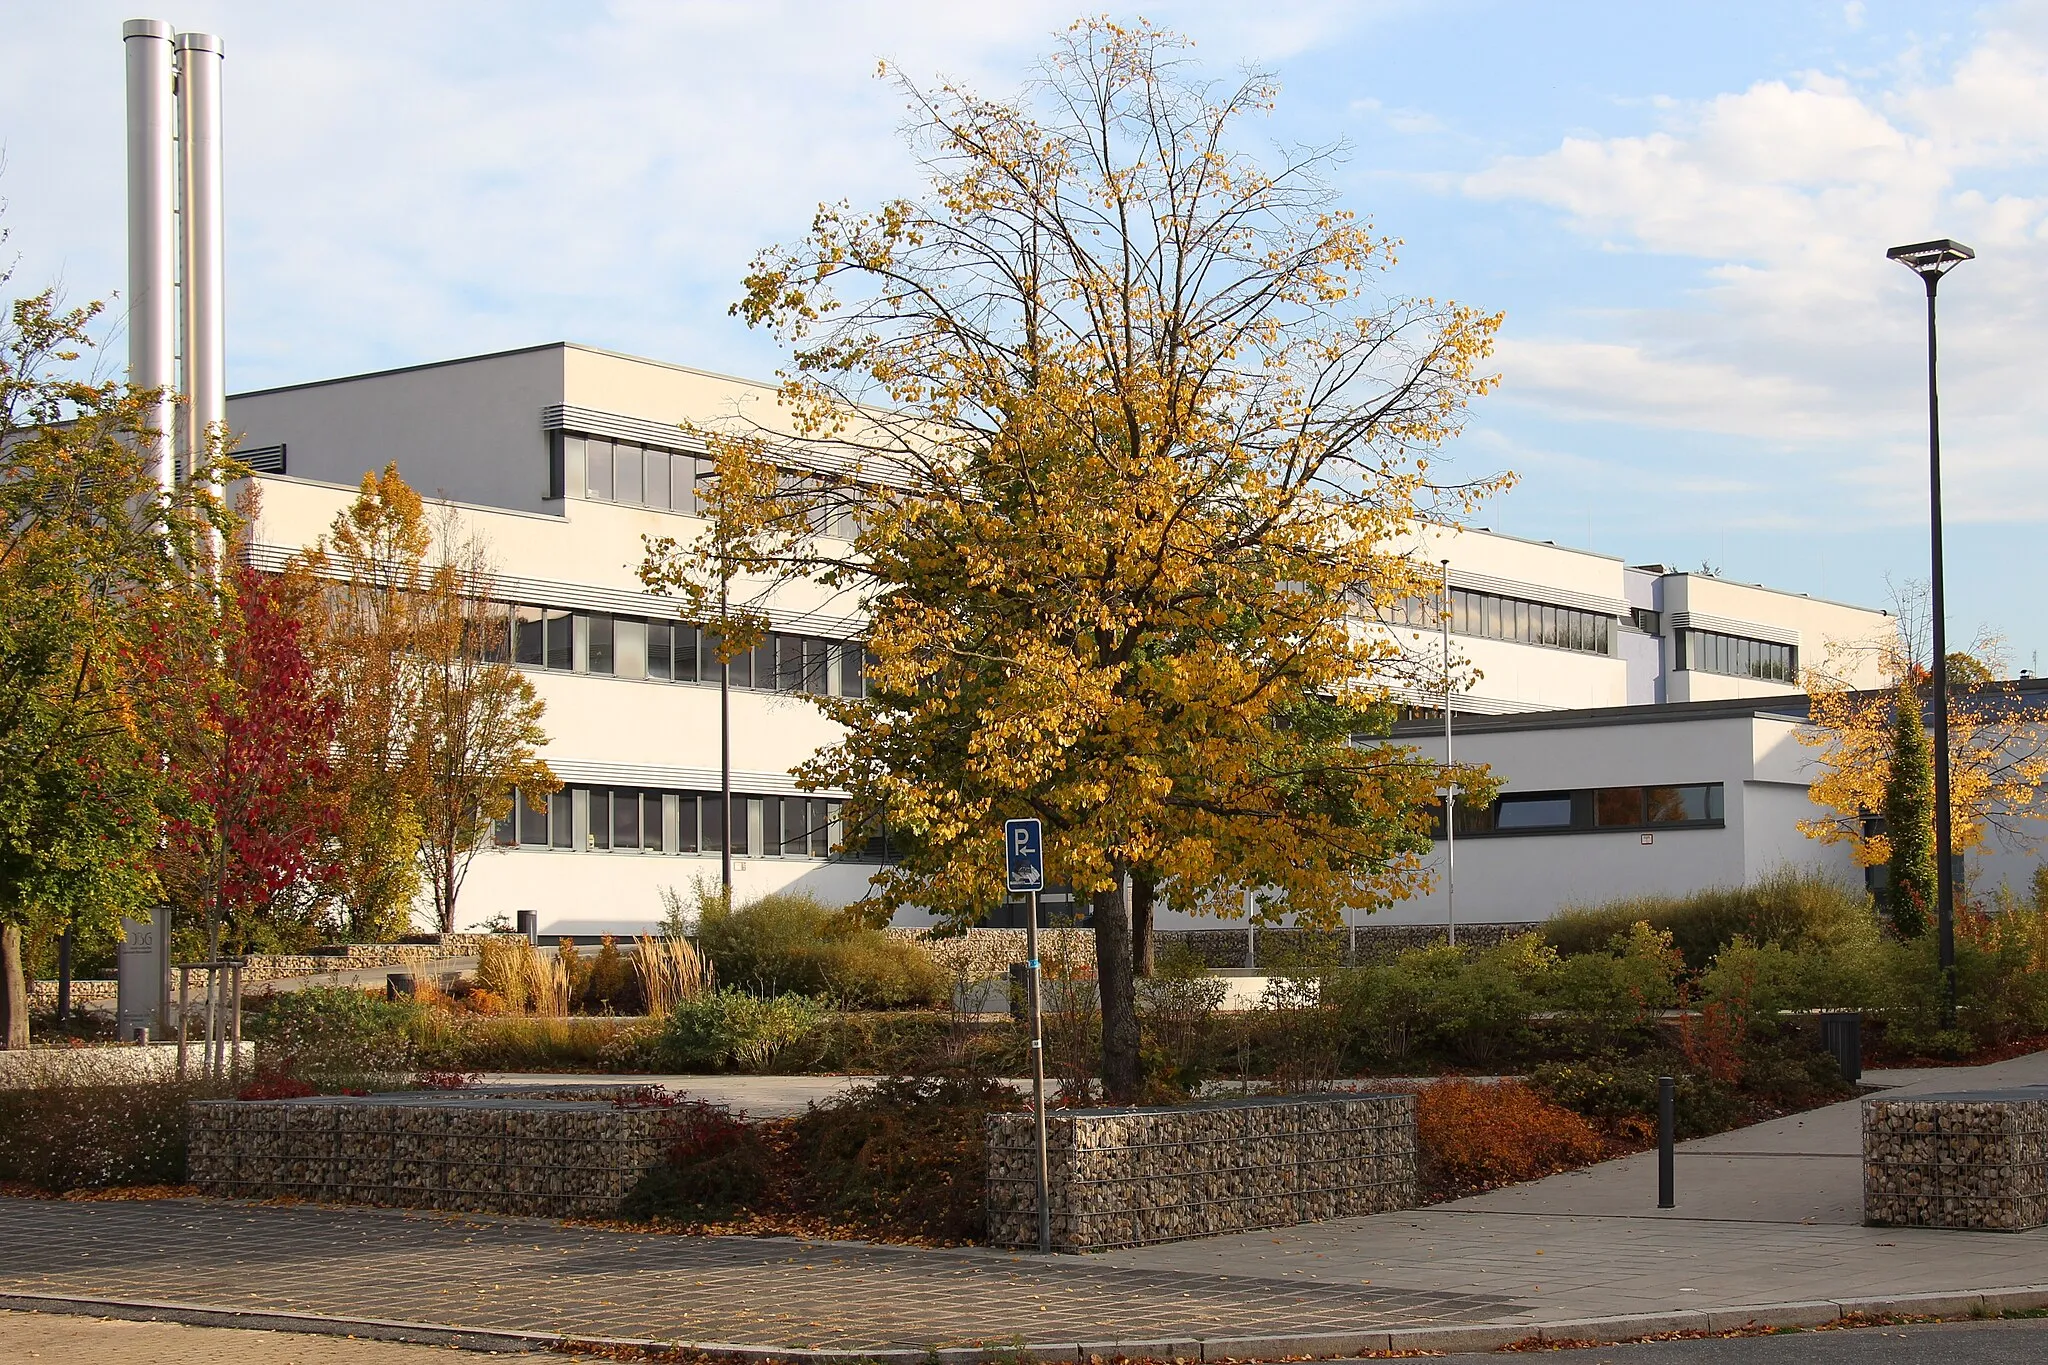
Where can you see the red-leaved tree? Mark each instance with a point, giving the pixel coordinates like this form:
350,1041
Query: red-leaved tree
244,857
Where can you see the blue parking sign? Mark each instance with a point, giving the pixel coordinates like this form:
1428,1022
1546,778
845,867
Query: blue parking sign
1024,854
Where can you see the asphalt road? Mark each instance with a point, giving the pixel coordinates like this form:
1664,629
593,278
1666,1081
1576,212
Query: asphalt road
2002,1342
55,1338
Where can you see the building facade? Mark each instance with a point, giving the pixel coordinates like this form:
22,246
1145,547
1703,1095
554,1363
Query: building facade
561,459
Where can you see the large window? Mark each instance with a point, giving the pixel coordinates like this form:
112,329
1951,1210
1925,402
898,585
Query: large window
1738,656
1493,617
639,820
677,651
668,480
632,473
1698,804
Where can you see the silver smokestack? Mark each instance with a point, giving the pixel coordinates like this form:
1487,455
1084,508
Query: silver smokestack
152,310
200,254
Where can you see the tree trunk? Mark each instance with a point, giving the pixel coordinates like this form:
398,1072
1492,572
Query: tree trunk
1144,894
1118,988
13,991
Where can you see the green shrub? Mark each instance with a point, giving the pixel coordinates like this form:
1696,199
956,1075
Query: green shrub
89,1137
336,1037
461,1042
1623,1089
1611,997
1473,1007
732,1030
1793,908
792,943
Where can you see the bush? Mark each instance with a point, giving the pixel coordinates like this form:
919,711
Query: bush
336,1037
713,1165
610,985
1793,908
791,943
463,1042
1612,996
1473,1137
1624,1093
89,1137
732,1030
906,1156
1473,1007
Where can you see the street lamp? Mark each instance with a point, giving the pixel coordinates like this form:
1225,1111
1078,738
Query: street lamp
1451,784
1930,261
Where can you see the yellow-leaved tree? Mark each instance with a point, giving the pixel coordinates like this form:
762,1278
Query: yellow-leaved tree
1108,433
1876,761
436,732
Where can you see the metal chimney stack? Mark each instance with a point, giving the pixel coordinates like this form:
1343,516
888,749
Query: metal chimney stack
177,298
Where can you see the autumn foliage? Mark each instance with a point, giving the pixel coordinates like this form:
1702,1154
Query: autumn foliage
1475,1136
247,847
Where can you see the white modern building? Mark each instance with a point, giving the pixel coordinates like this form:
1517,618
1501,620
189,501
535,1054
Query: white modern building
561,458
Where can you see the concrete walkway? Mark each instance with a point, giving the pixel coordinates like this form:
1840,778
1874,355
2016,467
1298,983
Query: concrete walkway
1767,1214
1766,1230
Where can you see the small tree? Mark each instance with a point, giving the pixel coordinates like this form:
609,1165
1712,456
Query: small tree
435,733
1876,758
1909,817
244,856
372,567
478,733
97,568
1124,431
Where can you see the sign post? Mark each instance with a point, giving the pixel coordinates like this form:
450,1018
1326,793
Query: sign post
1024,866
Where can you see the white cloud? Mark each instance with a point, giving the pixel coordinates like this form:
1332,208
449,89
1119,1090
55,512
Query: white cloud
1798,334
412,181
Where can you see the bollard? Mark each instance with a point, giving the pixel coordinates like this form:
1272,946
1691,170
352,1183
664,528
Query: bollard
1667,1137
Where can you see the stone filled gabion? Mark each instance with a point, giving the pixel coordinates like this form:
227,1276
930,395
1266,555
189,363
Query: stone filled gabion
1128,1177
483,1154
1974,1161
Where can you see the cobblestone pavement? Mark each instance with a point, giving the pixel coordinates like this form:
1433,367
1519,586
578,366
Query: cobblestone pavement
541,1277
60,1339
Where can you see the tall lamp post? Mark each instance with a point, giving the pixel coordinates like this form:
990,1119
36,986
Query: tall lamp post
1451,786
1930,261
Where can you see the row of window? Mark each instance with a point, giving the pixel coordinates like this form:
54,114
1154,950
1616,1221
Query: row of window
1738,656
629,472
674,651
1593,808
640,820
1491,616
641,475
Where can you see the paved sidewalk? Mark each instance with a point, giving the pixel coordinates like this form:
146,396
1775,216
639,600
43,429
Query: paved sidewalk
1767,1214
504,1275
1766,1225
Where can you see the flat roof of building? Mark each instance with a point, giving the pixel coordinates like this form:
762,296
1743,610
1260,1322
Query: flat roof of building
1793,708
499,355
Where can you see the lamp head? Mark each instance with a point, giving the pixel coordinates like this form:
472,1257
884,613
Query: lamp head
1931,260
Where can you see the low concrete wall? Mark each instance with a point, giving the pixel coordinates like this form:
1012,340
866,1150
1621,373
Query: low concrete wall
111,1065
1977,1161
529,1157
1128,1177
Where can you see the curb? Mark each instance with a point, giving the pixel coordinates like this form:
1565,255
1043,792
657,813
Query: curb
1473,1337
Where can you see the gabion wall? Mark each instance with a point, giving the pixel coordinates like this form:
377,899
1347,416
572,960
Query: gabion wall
1976,1161
1127,1177
523,1156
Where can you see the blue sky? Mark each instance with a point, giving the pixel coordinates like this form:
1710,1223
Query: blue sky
1682,209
